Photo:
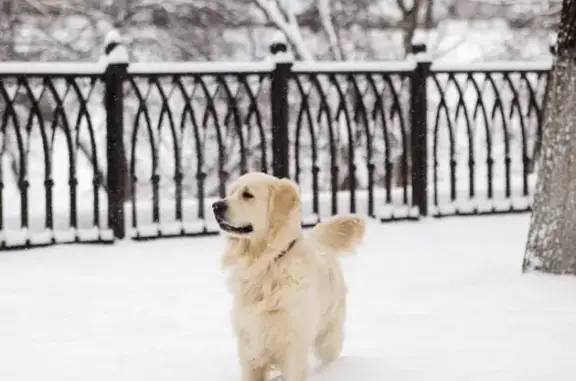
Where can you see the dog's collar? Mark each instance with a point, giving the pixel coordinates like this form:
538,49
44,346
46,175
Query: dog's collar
285,251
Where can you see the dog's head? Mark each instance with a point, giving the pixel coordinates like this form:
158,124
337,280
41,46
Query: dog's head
257,206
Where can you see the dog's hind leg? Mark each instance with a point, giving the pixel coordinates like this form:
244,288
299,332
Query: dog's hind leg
329,341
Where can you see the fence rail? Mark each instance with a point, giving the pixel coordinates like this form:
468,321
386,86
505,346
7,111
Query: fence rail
95,152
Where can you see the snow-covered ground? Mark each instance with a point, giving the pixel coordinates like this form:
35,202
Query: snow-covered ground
433,300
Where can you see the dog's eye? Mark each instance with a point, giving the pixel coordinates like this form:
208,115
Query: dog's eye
247,195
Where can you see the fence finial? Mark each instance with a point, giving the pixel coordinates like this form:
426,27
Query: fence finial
114,48
418,47
279,48
552,40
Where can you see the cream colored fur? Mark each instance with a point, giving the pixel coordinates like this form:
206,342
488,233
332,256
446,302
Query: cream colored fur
284,304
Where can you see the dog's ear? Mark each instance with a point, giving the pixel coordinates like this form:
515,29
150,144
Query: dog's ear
284,198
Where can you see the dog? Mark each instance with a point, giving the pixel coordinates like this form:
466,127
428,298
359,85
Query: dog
289,295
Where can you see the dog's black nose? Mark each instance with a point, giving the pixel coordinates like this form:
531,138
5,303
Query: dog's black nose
219,207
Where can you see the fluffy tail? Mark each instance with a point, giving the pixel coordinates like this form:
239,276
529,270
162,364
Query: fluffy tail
339,234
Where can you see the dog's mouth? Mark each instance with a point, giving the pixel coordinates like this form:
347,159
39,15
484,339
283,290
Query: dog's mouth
225,226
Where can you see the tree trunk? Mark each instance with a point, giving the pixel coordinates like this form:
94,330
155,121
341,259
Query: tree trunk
551,245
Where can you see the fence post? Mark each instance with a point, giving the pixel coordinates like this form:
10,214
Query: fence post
419,130
279,101
552,41
116,57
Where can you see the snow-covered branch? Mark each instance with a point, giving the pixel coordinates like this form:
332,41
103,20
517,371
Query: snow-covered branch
289,26
324,10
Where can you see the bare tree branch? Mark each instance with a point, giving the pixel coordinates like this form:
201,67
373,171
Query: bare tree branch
324,10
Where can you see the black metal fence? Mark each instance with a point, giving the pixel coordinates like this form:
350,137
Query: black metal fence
91,153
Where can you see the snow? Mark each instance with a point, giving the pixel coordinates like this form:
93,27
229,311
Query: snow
14,235
469,41
432,300
354,66
278,38
281,57
226,67
13,68
439,201
113,37
284,18
118,55
496,66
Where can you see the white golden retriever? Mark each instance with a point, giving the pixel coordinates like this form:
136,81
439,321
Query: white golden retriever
288,290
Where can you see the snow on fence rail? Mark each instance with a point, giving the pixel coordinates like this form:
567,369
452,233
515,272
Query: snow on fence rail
494,66
354,67
347,132
227,67
50,68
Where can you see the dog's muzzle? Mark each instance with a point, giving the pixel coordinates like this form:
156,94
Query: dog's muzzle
219,208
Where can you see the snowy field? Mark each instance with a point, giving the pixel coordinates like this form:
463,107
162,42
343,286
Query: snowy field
433,300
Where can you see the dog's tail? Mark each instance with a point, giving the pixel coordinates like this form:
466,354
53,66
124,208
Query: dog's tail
339,234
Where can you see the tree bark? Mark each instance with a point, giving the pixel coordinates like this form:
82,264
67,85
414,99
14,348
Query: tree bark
551,245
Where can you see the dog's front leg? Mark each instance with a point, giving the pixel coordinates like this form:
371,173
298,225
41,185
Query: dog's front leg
295,363
251,370
253,373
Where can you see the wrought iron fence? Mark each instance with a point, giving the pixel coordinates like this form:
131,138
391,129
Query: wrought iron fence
90,153
484,131
187,132
52,149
